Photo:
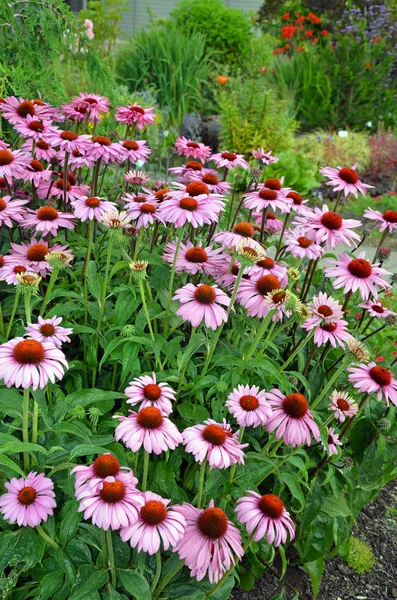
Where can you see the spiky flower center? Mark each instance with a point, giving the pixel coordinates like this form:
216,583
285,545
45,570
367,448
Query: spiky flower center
153,513
26,108
36,126
47,329
19,269
102,140
161,193
194,165
140,199
212,523
205,294
69,136
149,417
112,491
196,255
130,145
331,220
273,184
295,405
196,188
380,375
210,178
3,204
378,309
106,466
137,109
342,404
245,229
37,252
329,327
36,166
90,100
1,261
214,434
47,213
29,352
268,194
188,204
147,208
42,145
295,197
390,216
271,506
348,175
92,202
193,145
279,297
359,267
304,242
152,391
6,157
325,310
267,283
38,102
249,403
266,263
229,155
270,215
62,185
27,495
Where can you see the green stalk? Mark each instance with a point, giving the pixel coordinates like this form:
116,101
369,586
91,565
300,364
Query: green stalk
172,276
25,427
145,308
46,537
111,557
233,469
50,286
14,309
258,336
28,314
35,424
298,349
146,456
104,549
182,375
2,330
201,483
158,572
168,578
330,383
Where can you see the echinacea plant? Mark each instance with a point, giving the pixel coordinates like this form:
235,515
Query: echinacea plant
184,382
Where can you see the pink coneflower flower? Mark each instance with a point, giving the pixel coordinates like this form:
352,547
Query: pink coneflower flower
28,500
240,231
354,274
292,419
34,129
34,254
346,180
57,189
145,390
296,202
327,226
265,516
187,172
210,542
47,220
113,503
270,194
342,405
116,219
135,114
104,149
195,259
265,158
13,163
272,225
42,150
11,209
214,442
229,160
197,211
49,330
334,332
36,173
268,266
78,159
25,363
301,246
376,309
95,105
149,428
92,207
197,150
277,301
136,178
133,151
74,113
252,293
16,109
387,220
144,213
371,379
332,442
156,522
249,406
10,271
210,178
202,302
89,477
324,308
67,141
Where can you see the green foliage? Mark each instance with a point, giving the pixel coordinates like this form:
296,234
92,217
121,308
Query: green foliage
359,557
328,148
301,173
226,30
174,64
106,16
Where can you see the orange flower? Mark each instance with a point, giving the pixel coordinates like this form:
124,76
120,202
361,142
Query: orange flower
377,39
308,33
300,49
314,40
368,66
325,32
287,46
222,79
286,16
314,18
263,70
300,19
288,32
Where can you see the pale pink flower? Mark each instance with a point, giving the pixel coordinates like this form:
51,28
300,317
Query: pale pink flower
10,271
386,220
36,173
135,115
295,202
78,159
89,27
354,274
272,225
197,150
291,418
144,213
333,332
249,406
326,226
57,189
11,209
373,379
251,294
301,246
240,232
324,308
34,254
89,477
34,129
214,442
265,516
47,220
156,522
95,105
145,390
17,109
270,194
136,178
376,309
332,442
116,219
194,210
67,141
342,405
75,113
104,149
49,330
42,150
29,363
149,428
13,163
195,259
276,301
29,500
345,179
202,303
210,178
91,207
268,266
263,157
133,151
229,160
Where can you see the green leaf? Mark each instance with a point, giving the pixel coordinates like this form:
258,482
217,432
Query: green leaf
49,585
77,429
320,538
315,571
17,446
115,343
193,413
292,482
284,562
95,582
195,342
247,580
70,522
336,507
135,584
83,449
255,469
102,399
94,281
10,402
125,306
10,464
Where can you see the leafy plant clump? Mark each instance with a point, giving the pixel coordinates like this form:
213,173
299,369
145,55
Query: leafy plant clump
360,557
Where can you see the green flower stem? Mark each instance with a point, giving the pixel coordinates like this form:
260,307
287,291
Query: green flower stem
258,336
298,349
338,199
330,383
183,372
25,427
172,276
91,226
111,557
2,329
157,573
146,456
104,549
219,330
381,242
233,469
268,444
14,310
145,308
276,447
28,314
164,582
201,483
35,426
138,243
50,286
280,241
46,537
